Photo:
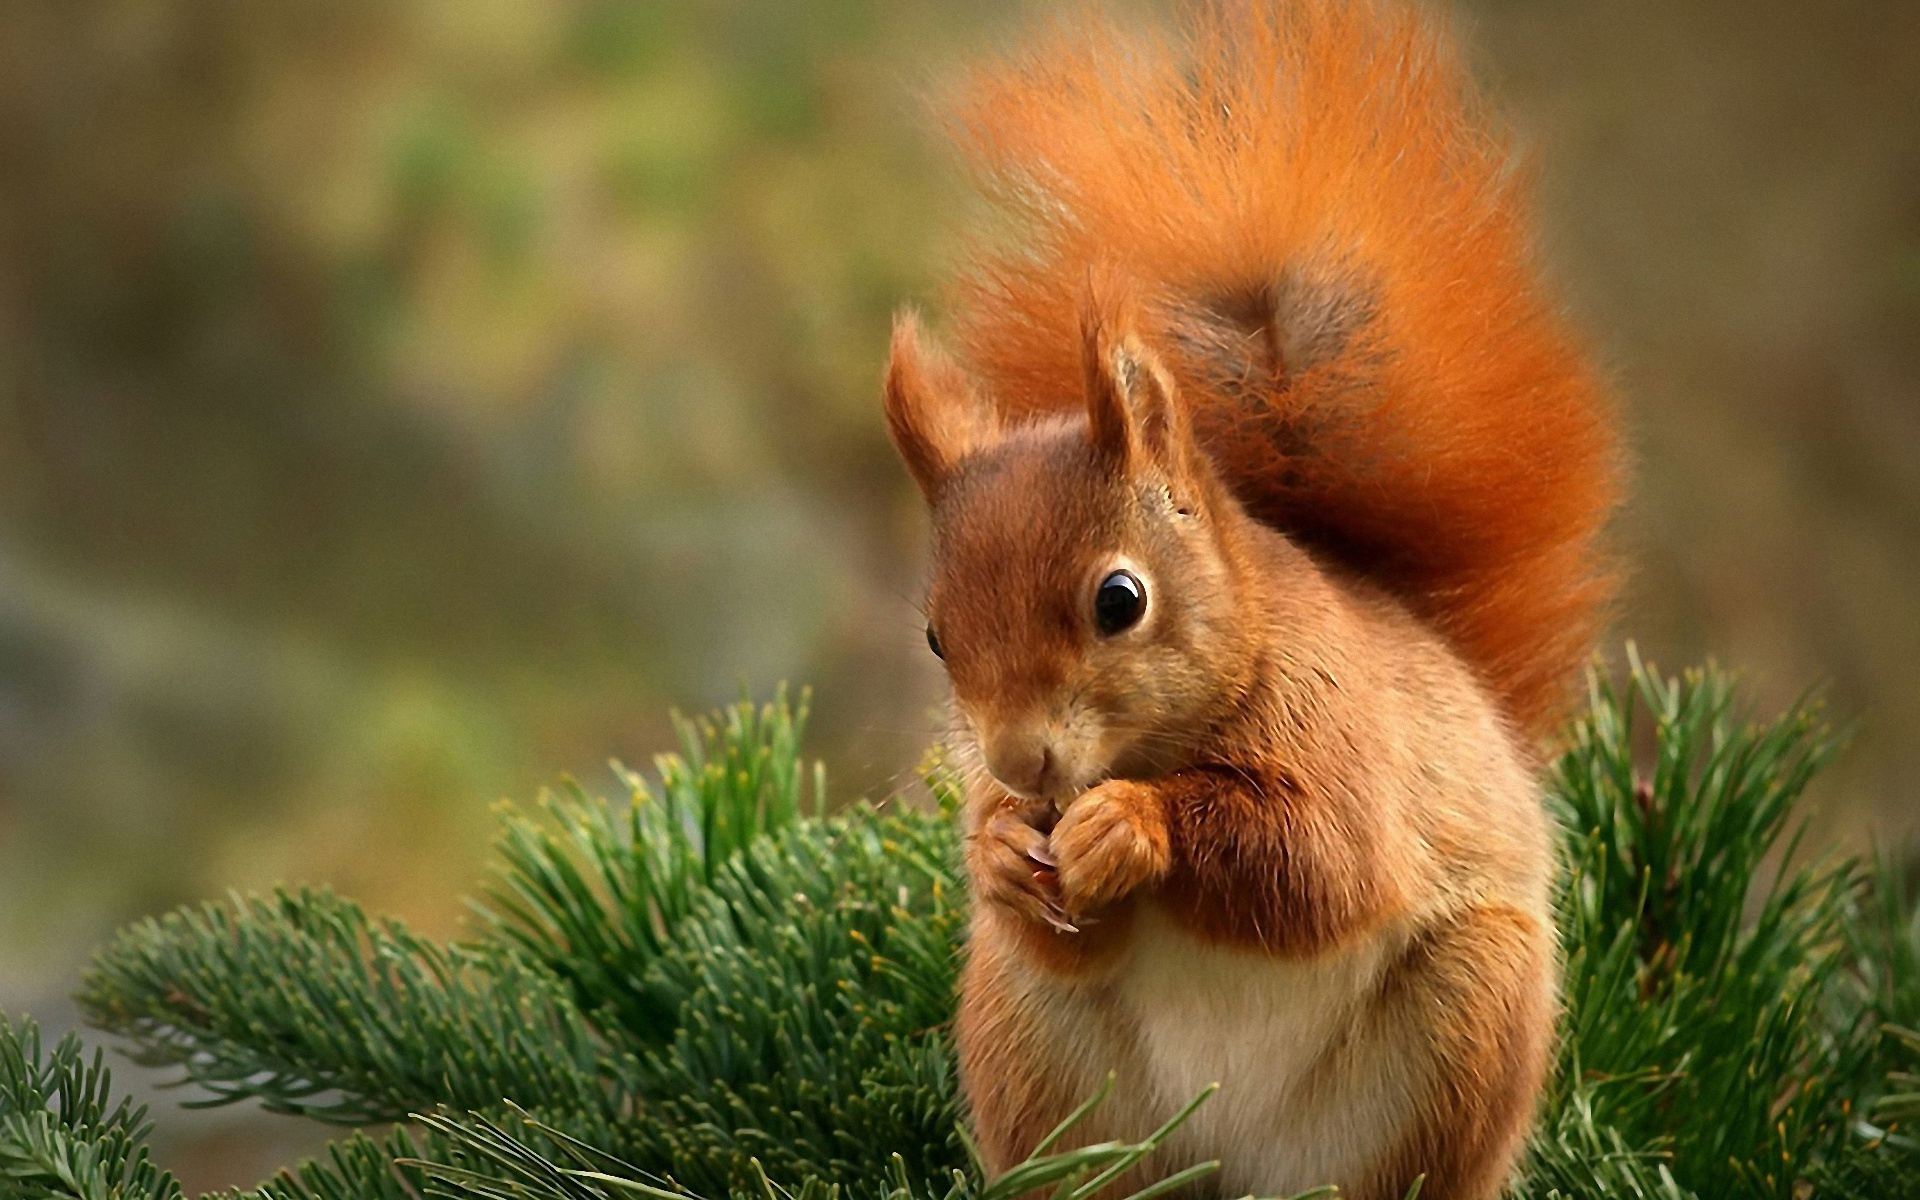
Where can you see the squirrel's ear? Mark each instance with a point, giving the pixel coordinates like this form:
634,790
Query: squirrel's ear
1132,412
933,412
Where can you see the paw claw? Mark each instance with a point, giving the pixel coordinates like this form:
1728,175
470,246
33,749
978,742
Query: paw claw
1059,922
1013,869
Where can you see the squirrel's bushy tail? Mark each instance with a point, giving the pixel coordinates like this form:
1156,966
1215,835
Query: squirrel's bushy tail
1327,244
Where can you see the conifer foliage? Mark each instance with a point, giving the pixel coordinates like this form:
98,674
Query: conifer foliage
712,988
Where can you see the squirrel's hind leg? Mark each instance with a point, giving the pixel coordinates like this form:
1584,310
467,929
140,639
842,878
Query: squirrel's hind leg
1033,1047
1476,994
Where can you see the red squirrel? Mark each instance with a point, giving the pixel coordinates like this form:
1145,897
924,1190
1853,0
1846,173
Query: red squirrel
1267,494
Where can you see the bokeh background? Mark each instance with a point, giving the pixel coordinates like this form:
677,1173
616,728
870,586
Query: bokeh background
405,402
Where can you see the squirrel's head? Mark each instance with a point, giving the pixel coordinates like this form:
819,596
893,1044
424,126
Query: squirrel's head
1082,595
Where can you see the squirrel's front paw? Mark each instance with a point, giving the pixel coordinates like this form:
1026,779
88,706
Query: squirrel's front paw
1111,840
1013,868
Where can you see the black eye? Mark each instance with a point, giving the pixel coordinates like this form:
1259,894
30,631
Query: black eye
1119,603
933,643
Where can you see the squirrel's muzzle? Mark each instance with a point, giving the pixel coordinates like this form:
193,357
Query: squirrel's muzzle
1023,760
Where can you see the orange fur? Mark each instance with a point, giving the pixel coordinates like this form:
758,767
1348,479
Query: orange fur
1423,415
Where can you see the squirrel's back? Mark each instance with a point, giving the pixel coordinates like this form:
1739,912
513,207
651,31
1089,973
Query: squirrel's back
1327,246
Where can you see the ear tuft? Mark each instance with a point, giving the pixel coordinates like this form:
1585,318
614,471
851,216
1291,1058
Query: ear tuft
934,414
1133,415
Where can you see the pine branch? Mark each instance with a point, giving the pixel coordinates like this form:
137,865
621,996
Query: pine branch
812,987
807,985
301,1001
62,1136
1886,947
355,1168
1747,1066
594,891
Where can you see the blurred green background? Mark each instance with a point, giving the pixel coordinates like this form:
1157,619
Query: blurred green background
404,402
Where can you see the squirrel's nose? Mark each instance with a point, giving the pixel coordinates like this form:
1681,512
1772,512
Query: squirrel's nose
1021,761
